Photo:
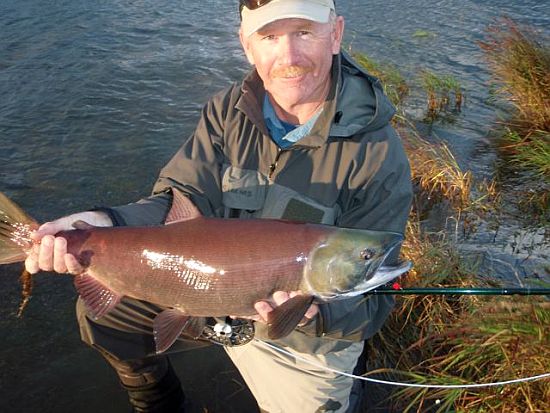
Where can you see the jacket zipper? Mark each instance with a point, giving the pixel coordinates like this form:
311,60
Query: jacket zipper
273,166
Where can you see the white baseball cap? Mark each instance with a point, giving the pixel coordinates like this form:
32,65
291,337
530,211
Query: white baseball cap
315,10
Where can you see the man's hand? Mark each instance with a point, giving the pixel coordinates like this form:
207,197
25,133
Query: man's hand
50,252
279,297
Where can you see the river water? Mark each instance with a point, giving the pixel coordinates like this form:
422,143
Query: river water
95,96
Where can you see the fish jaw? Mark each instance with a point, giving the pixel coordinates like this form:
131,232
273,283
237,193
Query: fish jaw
383,275
347,263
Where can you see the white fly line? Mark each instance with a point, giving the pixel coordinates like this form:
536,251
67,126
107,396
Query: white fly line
402,384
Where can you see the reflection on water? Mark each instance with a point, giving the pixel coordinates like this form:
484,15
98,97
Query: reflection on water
97,95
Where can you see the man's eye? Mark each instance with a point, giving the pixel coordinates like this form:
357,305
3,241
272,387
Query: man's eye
269,37
304,32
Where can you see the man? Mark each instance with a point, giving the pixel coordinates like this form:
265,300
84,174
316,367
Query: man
305,136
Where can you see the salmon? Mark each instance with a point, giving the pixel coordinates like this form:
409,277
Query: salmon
197,266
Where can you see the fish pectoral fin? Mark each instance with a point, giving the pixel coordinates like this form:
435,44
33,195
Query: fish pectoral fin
169,324
98,299
284,318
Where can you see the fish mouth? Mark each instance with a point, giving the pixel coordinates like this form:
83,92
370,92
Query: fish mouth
379,274
383,275
376,264
394,271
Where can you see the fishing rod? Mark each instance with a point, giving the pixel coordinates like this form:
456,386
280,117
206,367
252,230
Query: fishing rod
396,289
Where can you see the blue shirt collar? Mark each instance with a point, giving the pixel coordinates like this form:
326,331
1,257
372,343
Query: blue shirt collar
285,134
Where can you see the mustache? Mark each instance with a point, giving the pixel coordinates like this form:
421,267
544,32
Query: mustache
291,71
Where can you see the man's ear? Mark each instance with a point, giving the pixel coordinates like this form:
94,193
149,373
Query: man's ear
338,34
245,43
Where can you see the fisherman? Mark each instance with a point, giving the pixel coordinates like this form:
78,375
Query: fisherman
305,136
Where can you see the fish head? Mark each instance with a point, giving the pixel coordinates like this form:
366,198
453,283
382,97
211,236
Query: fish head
350,261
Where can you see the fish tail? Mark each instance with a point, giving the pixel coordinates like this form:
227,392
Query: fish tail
15,230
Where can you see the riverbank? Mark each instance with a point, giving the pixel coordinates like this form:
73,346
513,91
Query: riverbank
458,340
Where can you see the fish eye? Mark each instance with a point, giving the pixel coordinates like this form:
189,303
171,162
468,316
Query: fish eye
367,254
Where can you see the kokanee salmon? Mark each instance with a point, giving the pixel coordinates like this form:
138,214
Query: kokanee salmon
200,266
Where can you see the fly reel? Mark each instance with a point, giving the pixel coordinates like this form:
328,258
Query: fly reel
231,332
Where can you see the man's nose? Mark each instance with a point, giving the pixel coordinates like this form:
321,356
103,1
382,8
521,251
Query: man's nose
289,51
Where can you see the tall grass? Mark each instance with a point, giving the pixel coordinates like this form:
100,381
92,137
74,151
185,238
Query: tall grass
435,171
460,339
497,342
520,62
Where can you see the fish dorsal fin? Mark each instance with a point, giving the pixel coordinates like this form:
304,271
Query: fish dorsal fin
82,225
99,299
284,318
182,208
169,324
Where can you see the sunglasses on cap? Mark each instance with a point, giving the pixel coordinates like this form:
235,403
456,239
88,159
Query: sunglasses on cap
253,4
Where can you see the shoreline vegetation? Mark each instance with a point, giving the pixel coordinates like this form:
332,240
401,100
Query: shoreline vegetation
519,59
467,339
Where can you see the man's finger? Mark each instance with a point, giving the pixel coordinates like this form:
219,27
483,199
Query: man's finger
309,315
73,266
311,311
31,263
263,308
280,297
47,228
59,251
45,255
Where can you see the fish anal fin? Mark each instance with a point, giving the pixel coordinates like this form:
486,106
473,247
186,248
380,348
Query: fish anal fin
284,318
182,208
195,327
169,324
99,299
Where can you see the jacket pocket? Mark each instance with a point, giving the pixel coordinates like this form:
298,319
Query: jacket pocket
285,203
243,189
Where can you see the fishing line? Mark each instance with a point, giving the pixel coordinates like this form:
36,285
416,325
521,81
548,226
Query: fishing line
397,383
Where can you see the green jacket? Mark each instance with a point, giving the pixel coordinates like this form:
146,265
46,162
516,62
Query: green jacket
350,171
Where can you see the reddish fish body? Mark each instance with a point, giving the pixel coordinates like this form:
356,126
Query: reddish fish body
202,267
197,266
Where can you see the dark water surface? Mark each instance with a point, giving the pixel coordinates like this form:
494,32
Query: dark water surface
95,96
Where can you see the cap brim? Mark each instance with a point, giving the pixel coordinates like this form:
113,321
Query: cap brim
252,21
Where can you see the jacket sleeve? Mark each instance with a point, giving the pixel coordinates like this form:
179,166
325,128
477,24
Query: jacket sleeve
378,197
194,170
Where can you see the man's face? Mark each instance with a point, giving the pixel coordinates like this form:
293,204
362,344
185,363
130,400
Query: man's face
293,58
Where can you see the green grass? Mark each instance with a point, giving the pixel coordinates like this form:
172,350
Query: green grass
395,86
529,152
421,33
444,93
